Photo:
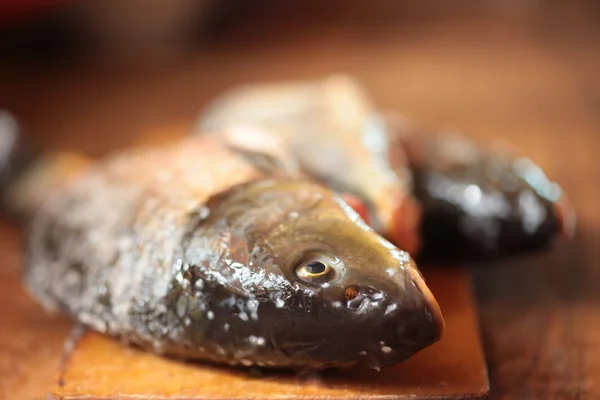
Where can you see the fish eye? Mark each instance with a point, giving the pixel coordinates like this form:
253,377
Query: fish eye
317,269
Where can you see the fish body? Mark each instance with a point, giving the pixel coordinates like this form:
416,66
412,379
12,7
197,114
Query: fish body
191,250
327,130
442,198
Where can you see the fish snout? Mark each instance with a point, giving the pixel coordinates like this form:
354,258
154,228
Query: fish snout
432,324
412,321
566,218
408,302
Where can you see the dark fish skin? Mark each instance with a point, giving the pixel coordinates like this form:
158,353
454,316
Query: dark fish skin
191,251
481,202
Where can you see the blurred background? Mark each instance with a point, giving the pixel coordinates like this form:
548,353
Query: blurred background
95,73
101,74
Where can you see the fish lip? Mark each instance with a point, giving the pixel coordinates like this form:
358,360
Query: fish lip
566,217
432,304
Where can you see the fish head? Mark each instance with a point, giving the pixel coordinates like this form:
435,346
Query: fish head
326,290
487,203
538,195
361,300
350,296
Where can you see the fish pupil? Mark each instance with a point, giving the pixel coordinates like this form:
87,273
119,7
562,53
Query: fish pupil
315,267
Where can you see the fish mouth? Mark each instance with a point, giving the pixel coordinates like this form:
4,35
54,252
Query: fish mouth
430,302
566,217
416,324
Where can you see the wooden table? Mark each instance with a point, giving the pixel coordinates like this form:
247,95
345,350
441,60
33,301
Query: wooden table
528,76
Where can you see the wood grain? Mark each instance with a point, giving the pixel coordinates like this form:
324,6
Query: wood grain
31,341
101,368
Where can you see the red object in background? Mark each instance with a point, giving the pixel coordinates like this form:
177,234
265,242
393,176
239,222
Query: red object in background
14,11
358,205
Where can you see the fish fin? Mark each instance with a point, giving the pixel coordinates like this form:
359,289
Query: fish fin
264,149
264,162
